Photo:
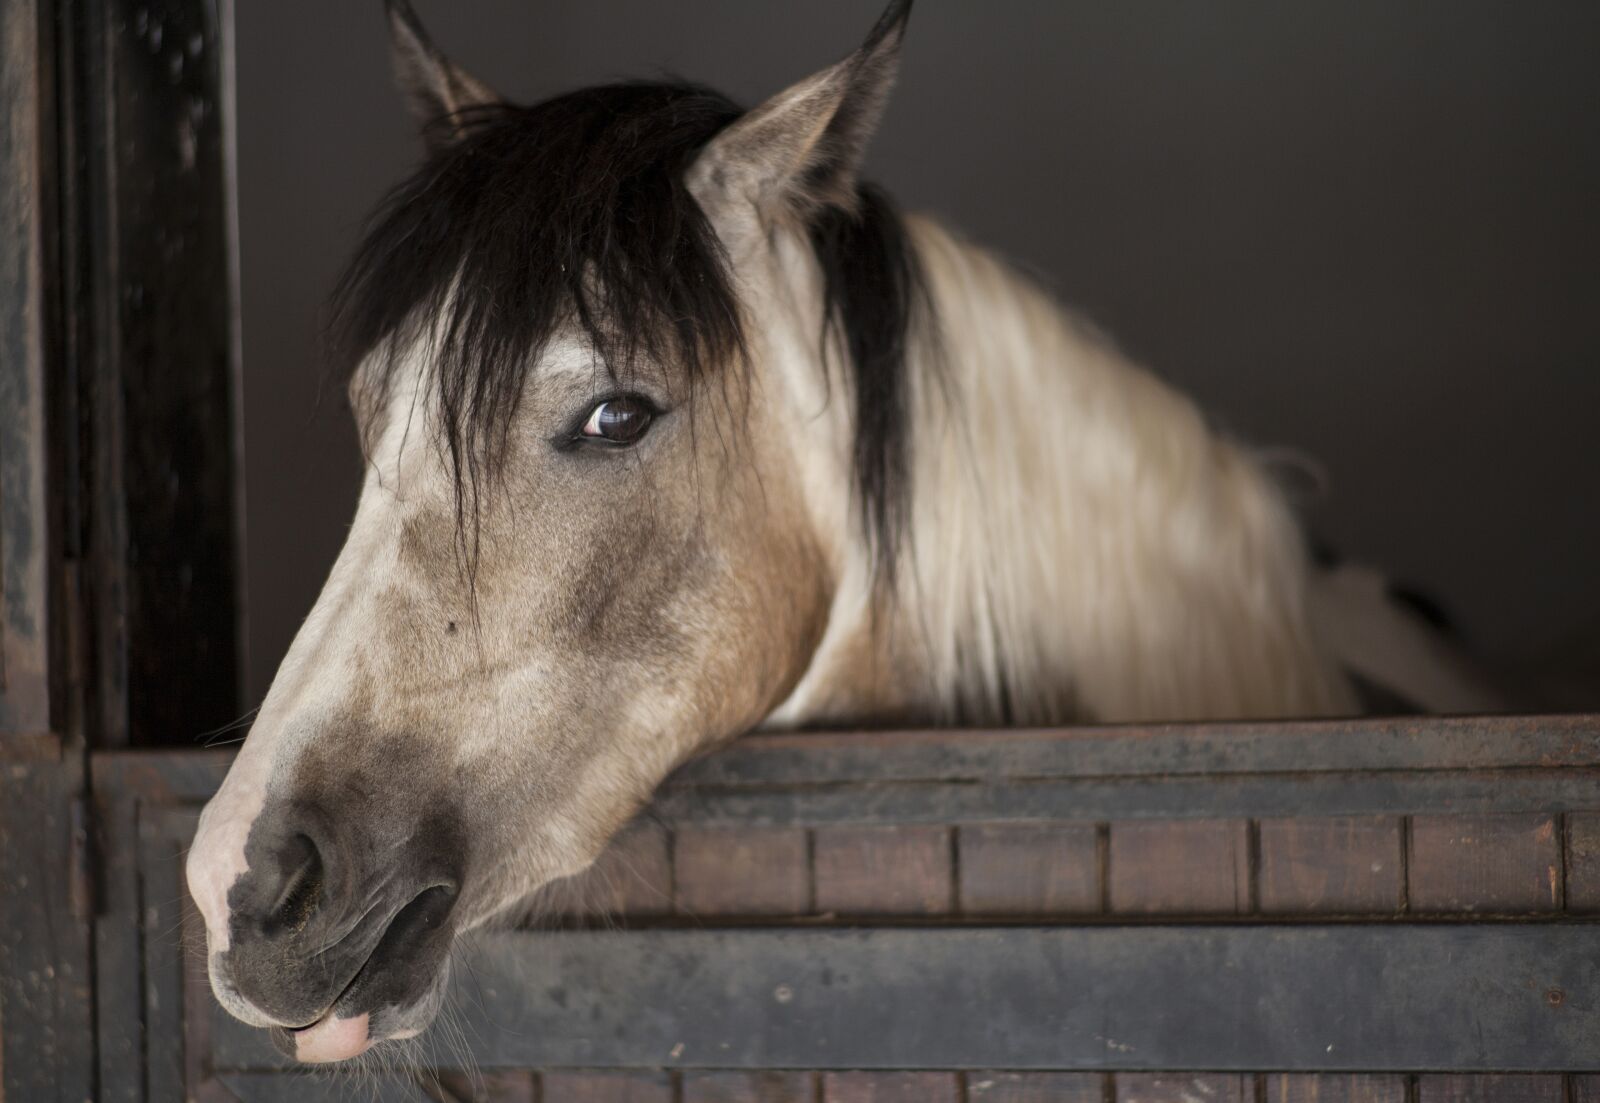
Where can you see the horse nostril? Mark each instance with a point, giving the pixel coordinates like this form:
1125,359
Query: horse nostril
302,887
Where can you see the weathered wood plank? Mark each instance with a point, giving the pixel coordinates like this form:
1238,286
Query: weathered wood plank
1133,1087
1289,1087
1036,1087
1465,743
167,369
1181,797
749,1087
1028,869
119,956
600,1086
1185,867
1228,998
47,1047
25,534
168,776
488,1086
1583,863
160,835
890,1087
1504,864
1329,866
1481,1088
889,870
742,871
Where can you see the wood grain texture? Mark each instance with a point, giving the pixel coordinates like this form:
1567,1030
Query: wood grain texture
1143,1087
749,871
1489,1088
1028,869
488,1086
1036,1087
1493,864
1332,1087
1388,744
1184,867
581,1086
749,1087
1583,863
47,1049
1330,865
883,870
890,1087
25,530
1169,996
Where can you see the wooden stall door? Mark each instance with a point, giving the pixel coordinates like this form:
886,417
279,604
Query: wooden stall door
118,604
45,985
1356,911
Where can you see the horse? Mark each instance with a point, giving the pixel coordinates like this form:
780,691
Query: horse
676,427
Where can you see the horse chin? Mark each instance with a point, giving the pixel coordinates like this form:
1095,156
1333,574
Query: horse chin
345,1032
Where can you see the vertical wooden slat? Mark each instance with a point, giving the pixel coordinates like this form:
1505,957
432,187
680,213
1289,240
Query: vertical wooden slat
25,535
584,1086
883,870
489,1086
1585,1088
162,896
1494,863
171,362
1028,869
1146,1087
1332,865
749,1087
742,871
1583,862
48,1044
1327,1087
1195,867
890,1087
1489,1088
1035,1087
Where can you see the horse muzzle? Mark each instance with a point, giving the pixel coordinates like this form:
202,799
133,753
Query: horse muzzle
336,940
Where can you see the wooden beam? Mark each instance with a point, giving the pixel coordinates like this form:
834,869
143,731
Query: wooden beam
1327,998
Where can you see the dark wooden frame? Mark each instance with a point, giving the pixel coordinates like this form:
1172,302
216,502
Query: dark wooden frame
119,559
146,340
678,988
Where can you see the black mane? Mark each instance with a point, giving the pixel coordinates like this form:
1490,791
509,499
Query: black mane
576,209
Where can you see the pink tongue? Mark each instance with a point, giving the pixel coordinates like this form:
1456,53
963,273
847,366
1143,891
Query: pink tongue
333,1039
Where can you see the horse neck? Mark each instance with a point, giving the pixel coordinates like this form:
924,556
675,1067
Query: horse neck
1081,545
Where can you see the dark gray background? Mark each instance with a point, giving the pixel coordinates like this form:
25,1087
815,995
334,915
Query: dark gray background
1361,229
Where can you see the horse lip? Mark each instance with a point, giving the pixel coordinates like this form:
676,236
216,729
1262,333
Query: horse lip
285,1037
332,1006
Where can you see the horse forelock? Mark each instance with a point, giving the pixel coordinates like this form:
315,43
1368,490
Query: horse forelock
574,212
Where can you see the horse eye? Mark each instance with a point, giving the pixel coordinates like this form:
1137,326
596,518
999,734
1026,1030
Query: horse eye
619,420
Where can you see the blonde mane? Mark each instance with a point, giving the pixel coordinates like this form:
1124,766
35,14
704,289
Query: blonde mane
1082,545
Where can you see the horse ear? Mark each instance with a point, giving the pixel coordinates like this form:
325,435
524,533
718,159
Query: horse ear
438,93
803,147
